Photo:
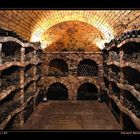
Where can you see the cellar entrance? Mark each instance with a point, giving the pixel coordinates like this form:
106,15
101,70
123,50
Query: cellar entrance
87,91
57,91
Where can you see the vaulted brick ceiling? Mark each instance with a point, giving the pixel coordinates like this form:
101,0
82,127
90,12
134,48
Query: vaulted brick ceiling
34,24
71,35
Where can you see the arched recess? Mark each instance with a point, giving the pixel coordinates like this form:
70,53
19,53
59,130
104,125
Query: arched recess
87,91
87,67
58,67
57,91
10,51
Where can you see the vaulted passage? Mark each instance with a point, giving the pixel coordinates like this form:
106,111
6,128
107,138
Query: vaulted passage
57,91
70,69
87,91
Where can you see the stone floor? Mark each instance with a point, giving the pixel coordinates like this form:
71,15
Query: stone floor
76,115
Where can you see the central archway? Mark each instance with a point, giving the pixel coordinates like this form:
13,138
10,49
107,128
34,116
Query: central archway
87,91
57,91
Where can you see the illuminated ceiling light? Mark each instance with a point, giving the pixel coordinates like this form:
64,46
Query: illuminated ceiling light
61,16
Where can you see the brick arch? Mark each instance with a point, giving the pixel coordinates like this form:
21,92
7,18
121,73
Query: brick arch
88,81
73,84
62,82
74,89
91,58
94,96
78,59
55,58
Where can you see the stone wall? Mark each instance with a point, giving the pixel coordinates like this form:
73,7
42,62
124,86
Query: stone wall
72,81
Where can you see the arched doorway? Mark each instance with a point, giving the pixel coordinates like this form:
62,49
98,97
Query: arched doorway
87,67
57,91
58,67
87,91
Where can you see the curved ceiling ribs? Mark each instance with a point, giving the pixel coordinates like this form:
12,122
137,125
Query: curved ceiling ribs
71,36
32,24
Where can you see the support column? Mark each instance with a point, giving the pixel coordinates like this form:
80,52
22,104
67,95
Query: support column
72,93
121,76
34,74
20,116
110,90
100,78
34,56
35,89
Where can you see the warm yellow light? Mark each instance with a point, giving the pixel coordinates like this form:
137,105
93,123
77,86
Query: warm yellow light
57,16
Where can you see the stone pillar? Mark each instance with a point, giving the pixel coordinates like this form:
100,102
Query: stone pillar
121,76
73,85
43,72
35,89
72,93
100,78
20,116
35,59
22,54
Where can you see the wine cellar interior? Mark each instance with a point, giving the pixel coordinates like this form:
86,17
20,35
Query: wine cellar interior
70,70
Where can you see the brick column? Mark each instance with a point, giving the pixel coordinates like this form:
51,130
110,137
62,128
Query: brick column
35,89
19,118
21,115
22,55
34,56
34,74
